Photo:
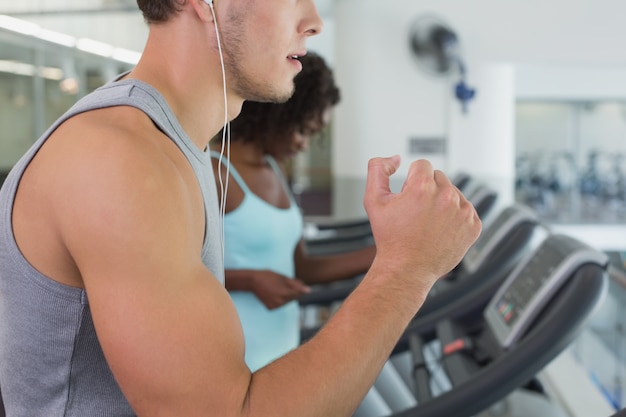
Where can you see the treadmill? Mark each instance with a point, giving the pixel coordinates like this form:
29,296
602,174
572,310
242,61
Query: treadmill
503,242
461,179
337,237
340,236
483,198
498,249
461,365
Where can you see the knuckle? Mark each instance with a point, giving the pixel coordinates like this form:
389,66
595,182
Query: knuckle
374,162
450,196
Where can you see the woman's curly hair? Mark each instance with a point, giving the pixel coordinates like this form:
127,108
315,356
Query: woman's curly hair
315,91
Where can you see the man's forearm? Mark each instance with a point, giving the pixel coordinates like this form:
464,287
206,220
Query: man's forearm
331,374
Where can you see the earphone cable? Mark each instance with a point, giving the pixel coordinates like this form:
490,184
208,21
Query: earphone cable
225,136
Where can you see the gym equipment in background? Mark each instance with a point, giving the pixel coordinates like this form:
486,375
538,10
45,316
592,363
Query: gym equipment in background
502,243
338,236
461,179
324,238
482,197
464,364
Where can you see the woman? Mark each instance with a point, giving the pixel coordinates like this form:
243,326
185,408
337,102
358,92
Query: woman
267,267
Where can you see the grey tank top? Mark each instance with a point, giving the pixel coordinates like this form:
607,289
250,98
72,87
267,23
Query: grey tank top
51,363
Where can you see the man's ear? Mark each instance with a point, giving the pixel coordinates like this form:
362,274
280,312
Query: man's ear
203,9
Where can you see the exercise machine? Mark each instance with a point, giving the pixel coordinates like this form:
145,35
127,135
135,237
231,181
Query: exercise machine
503,242
461,180
338,236
461,365
482,197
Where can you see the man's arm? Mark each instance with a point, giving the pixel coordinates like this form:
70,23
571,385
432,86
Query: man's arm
169,330
421,233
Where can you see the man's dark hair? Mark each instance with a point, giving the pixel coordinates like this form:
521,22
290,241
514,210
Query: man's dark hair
315,91
158,11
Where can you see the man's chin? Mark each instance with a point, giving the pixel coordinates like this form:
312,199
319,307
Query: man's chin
279,98
274,95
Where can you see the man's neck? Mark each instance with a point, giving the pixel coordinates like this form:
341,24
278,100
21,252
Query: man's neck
187,72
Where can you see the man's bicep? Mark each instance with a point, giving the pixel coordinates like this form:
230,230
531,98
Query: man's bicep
175,347
167,327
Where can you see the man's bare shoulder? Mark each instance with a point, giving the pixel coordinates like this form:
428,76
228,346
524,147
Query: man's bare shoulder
107,172
120,127
119,153
112,143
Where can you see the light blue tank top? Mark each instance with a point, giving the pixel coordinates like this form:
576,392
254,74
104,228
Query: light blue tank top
258,235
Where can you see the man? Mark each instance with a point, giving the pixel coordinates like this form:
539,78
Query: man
112,300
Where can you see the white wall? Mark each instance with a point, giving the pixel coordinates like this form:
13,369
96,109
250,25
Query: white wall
513,49
387,99
585,82
482,142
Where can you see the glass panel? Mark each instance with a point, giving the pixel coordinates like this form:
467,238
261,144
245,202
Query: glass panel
16,118
570,160
601,348
34,91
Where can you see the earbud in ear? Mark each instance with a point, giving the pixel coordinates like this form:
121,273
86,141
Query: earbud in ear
209,2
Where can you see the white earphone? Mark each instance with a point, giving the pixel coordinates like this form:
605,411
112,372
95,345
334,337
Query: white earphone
225,130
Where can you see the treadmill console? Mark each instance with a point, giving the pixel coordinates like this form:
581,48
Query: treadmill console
495,233
533,282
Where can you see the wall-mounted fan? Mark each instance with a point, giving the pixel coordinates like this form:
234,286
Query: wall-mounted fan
437,51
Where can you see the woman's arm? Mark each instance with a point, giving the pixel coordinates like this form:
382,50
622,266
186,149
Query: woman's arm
272,289
329,268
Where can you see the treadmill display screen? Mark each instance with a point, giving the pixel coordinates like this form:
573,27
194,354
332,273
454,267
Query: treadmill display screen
531,286
512,304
